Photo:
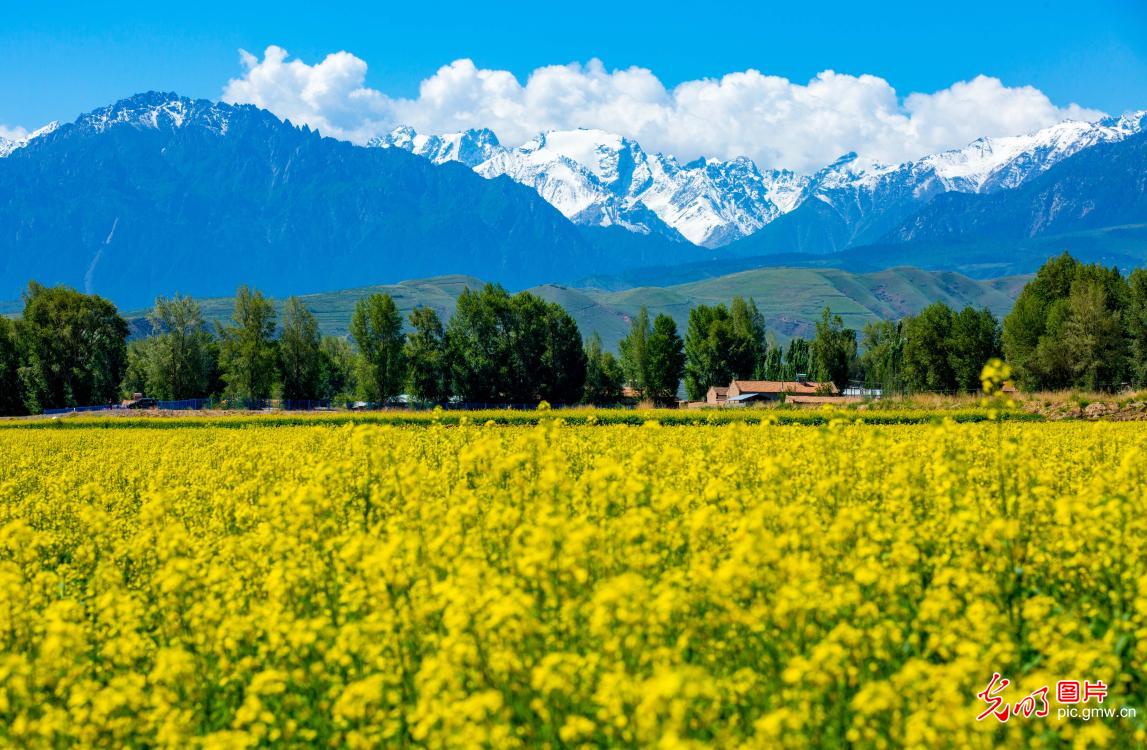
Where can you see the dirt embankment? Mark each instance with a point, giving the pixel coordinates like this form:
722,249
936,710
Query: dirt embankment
1107,411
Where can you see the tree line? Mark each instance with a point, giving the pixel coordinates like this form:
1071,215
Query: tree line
1074,325
73,349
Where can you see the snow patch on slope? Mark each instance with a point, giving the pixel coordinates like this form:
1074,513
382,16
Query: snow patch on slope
603,179
8,146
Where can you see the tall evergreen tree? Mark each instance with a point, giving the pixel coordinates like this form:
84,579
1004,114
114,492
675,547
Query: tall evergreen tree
525,332
376,327
299,352
427,367
247,351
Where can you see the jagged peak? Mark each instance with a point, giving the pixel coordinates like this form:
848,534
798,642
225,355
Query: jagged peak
157,110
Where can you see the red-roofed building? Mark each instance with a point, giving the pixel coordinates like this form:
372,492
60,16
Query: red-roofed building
744,391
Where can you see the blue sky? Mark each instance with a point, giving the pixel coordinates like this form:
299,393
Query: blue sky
63,58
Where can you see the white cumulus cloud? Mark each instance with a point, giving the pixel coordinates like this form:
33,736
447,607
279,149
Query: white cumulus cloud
775,121
11,132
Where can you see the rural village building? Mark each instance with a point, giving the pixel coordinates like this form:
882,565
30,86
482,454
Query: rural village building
795,391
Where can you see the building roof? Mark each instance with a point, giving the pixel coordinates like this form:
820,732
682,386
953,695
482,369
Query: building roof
720,390
782,386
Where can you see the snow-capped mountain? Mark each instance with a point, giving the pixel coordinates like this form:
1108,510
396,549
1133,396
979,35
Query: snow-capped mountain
989,164
157,194
7,145
869,199
150,111
602,179
160,111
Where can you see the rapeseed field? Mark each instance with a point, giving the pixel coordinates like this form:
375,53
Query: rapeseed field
472,585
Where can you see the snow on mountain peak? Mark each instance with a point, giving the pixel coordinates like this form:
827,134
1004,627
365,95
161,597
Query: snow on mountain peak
993,163
7,146
471,147
157,110
604,179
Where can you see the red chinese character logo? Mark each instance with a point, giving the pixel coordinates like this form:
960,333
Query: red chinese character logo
991,695
1067,691
1094,690
1027,706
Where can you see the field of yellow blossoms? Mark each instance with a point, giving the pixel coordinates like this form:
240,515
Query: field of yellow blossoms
569,586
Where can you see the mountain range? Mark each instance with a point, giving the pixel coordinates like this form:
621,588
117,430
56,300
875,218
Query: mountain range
158,194
601,179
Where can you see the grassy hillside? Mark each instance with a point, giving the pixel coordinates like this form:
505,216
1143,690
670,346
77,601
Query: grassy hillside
790,298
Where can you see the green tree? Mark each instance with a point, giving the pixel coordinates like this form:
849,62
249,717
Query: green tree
1094,337
299,352
376,327
709,344
665,360
883,358
177,359
11,401
927,366
518,349
525,344
634,350
427,367
563,364
1137,324
478,345
247,351
73,348
336,377
774,364
798,359
722,344
973,339
833,349
139,365
1048,336
603,375
749,345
